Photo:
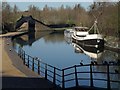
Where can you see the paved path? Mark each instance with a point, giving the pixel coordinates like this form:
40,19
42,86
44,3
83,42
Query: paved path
12,65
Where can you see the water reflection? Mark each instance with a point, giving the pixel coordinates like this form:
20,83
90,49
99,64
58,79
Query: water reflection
99,55
54,38
30,38
54,50
47,39
92,52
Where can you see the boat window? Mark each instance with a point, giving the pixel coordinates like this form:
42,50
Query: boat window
80,29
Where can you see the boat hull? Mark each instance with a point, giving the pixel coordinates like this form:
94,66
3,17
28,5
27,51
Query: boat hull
90,42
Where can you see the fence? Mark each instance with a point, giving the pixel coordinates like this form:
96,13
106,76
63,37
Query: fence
58,76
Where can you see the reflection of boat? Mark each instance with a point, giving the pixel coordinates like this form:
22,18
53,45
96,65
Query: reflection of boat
90,51
68,33
89,37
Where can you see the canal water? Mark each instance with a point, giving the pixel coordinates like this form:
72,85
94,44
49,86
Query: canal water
59,51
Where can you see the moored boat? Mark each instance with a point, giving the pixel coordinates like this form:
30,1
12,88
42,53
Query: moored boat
88,37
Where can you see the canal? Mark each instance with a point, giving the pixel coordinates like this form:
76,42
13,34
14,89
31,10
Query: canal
59,51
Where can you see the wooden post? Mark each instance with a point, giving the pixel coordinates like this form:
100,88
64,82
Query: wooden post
46,71
28,61
91,77
54,76
33,65
63,79
108,78
76,79
38,67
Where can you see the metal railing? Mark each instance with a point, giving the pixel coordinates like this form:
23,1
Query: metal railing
58,76
39,66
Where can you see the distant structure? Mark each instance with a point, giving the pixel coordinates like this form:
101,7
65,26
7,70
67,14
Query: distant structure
31,24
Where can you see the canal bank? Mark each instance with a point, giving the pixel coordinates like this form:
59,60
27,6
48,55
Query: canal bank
13,73
14,63
112,43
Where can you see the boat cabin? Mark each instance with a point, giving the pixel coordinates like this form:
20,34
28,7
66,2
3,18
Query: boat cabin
81,31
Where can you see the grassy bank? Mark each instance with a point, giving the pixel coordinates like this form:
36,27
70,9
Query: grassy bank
112,41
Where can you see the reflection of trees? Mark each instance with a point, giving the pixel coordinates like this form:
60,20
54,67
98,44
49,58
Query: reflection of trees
15,44
30,38
41,34
21,42
108,56
54,38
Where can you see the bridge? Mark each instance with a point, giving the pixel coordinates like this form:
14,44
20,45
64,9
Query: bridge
31,24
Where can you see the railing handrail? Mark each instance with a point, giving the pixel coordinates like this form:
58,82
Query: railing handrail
89,65
38,62
25,56
43,62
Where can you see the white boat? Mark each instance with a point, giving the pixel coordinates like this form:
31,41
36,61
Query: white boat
89,37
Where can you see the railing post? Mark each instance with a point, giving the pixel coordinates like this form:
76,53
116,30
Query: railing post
33,64
38,67
28,61
54,76
76,79
108,78
24,57
46,71
20,53
91,76
63,79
